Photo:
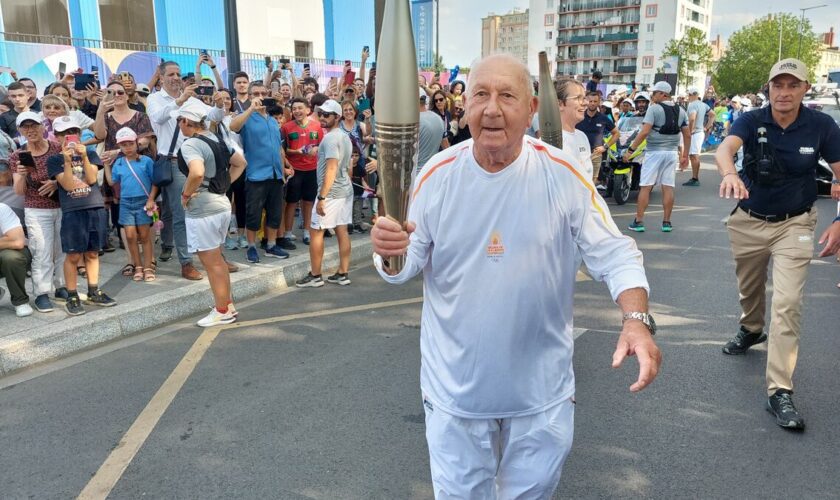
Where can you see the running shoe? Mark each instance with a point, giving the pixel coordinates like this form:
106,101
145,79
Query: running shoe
339,279
252,255
98,298
666,226
74,306
780,404
286,244
243,242
43,304
215,318
639,227
61,294
277,253
691,182
23,310
743,340
310,281
231,243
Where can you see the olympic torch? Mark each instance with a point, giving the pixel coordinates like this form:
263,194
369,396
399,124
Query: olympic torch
551,128
397,119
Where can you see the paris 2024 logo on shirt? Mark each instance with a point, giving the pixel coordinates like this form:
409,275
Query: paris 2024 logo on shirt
495,250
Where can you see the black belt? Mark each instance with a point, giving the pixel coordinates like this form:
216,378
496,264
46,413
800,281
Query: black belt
775,218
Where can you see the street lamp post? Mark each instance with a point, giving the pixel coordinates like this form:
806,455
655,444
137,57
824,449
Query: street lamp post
801,22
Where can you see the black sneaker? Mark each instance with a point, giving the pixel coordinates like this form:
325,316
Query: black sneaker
359,228
339,279
286,244
61,294
165,254
98,298
743,341
74,306
780,404
310,281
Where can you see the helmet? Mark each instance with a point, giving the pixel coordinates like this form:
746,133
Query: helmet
597,74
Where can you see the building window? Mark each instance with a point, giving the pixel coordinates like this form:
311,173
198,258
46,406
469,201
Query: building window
549,35
648,44
36,17
128,20
647,62
549,20
303,50
549,4
651,9
649,27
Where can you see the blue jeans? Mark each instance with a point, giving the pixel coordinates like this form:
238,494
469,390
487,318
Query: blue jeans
174,232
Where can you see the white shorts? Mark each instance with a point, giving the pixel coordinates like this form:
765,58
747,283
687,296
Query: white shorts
339,211
207,233
659,168
519,457
697,139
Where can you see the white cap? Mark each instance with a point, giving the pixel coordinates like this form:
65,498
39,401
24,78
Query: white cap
125,134
423,94
331,106
663,86
193,110
142,88
64,123
693,91
790,66
28,116
745,101
628,101
642,95
607,104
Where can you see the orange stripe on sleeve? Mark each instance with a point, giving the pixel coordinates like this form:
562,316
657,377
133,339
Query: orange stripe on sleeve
431,171
583,181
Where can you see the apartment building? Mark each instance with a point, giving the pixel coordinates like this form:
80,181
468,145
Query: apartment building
624,39
506,34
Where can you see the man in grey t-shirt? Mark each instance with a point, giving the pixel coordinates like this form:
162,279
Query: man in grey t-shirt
663,125
432,132
700,121
334,207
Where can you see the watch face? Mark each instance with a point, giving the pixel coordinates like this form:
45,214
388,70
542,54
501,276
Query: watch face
652,325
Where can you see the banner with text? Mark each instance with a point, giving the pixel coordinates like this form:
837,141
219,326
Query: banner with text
422,20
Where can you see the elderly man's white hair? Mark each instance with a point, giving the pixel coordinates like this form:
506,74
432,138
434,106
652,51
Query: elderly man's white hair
520,69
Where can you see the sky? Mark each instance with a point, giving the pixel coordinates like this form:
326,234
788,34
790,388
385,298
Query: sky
460,20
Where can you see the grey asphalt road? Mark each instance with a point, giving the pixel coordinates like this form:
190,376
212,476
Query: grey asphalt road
329,406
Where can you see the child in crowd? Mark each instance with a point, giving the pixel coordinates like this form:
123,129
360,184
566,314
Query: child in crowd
84,222
133,172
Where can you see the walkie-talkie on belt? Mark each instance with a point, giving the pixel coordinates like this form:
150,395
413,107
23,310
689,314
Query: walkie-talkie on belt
765,164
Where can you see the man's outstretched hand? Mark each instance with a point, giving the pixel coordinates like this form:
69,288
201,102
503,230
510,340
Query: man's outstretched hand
635,339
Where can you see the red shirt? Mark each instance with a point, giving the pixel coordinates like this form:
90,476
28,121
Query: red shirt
296,137
35,178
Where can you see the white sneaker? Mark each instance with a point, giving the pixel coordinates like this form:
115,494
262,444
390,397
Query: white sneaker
23,310
215,318
291,236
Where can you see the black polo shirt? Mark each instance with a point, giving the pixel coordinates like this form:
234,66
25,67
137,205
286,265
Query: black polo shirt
8,122
595,127
799,147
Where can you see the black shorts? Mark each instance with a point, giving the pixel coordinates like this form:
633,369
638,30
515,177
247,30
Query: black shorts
261,195
302,186
84,230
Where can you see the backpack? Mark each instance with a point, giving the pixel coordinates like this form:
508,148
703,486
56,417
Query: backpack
219,183
672,118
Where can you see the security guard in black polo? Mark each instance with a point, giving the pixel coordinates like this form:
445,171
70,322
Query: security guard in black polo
775,217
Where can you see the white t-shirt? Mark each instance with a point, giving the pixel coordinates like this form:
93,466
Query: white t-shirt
499,256
577,144
8,219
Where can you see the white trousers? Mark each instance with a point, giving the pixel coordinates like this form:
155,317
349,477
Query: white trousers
520,457
43,226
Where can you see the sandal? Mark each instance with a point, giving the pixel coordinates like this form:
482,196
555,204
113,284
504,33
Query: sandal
138,273
128,270
82,271
149,275
154,266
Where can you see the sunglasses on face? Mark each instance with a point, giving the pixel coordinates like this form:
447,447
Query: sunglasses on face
321,114
440,100
118,92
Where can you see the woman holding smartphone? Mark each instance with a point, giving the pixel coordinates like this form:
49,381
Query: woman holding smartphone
42,212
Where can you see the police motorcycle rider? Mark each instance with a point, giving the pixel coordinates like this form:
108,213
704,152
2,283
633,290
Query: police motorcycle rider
775,217
641,101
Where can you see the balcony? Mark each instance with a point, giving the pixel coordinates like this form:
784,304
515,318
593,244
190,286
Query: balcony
583,39
626,69
609,38
573,6
619,37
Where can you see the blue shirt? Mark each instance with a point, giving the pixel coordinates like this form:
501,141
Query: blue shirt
129,187
799,147
261,143
595,127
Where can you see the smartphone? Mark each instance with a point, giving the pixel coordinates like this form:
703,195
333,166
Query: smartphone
62,68
306,66
203,52
206,91
83,80
26,159
267,61
94,69
364,104
366,49
373,66
269,102
72,140
349,77
347,63
284,60
275,86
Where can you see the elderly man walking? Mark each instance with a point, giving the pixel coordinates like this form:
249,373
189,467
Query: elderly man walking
496,376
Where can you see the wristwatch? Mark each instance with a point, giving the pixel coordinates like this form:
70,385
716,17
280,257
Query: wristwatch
321,198
645,318
835,181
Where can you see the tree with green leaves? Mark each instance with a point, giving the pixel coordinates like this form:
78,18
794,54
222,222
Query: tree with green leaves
755,48
692,51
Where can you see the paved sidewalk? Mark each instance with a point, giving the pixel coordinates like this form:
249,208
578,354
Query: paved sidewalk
141,306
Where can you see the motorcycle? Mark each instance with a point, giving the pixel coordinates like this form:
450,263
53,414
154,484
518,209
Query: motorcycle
618,176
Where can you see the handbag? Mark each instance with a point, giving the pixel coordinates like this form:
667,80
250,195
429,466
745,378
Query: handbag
162,171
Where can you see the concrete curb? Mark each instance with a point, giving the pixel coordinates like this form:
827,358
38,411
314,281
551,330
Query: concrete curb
99,326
